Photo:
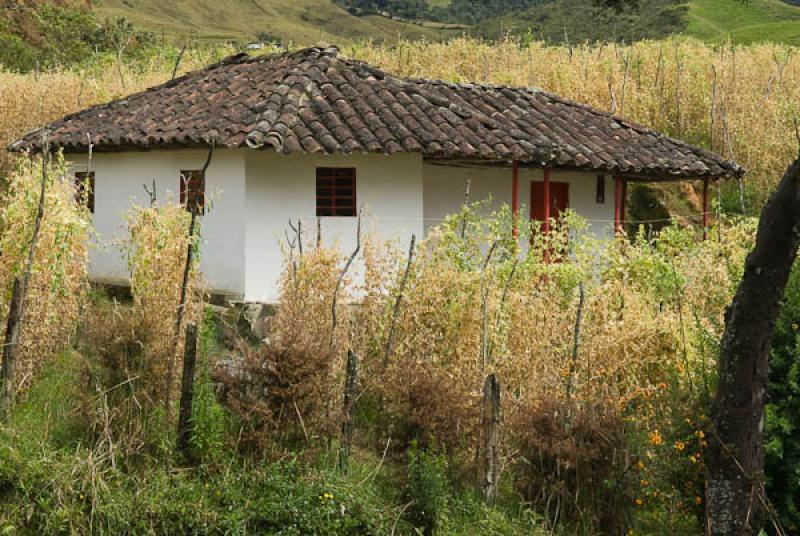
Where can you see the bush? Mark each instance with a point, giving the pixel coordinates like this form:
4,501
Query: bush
575,466
134,352
58,281
427,488
781,431
287,386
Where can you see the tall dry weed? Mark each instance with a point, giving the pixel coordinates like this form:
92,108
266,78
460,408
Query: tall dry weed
286,387
58,281
600,347
157,252
131,348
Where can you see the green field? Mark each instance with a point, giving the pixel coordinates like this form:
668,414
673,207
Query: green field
303,22
744,22
310,21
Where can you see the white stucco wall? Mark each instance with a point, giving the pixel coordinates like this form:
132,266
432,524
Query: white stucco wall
444,189
280,188
119,184
256,193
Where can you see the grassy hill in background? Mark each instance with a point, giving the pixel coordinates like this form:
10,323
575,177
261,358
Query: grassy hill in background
744,22
299,21
309,21
579,21
710,20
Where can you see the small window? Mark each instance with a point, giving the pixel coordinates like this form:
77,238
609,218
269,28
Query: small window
84,189
600,196
336,191
193,190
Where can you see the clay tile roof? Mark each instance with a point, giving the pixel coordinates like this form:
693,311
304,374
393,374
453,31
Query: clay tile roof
317,101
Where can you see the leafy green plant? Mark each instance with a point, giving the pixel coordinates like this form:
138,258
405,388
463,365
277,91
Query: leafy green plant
781,428
208,416
427,488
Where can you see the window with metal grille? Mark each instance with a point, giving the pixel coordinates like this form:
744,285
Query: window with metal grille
336,191
193,190
84,189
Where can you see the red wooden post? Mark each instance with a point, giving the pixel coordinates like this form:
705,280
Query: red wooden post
618,201
546,195
623,205
706,211
515,198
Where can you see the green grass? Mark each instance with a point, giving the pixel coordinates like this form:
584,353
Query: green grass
303,22
744,22
306,22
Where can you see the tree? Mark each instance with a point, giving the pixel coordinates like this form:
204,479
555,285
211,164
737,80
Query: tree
736,498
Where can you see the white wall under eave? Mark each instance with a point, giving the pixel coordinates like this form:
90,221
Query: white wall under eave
119,184
280,188
444,189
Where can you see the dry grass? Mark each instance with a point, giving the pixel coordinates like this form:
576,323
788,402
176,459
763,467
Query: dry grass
157,248
651,314
58,279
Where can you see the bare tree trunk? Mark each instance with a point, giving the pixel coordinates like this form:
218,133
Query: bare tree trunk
185,428
398,301
17,306
491,424
9,350
350,387
736,501
187,269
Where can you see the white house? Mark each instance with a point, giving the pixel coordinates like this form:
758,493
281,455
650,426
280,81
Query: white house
311,135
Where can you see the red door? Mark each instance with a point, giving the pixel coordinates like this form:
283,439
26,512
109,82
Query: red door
559,199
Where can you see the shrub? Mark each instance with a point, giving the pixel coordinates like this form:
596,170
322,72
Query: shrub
157,251
427,488
136,351
781,432
287,385
575,465
58,281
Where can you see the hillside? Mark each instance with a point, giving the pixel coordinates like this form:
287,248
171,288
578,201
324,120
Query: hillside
585,20
309,21
744,22
710,20
299,21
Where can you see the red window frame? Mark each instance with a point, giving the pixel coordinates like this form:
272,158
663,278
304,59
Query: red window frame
336,192
84,189
193,190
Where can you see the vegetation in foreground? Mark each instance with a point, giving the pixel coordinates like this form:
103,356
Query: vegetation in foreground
605,365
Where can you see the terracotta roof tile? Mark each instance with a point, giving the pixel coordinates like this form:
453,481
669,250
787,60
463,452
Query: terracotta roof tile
316,101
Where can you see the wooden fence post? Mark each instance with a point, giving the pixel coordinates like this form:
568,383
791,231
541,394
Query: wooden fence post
10,350
185,427
491,422
350,386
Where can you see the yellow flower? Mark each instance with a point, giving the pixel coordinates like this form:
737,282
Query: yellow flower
698,500
639,501
680,445
701,434
640,465
644,483
655,438
693,459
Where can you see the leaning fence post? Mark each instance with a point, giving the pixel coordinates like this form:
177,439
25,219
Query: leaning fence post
185,428
350,386
10,349
491,422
